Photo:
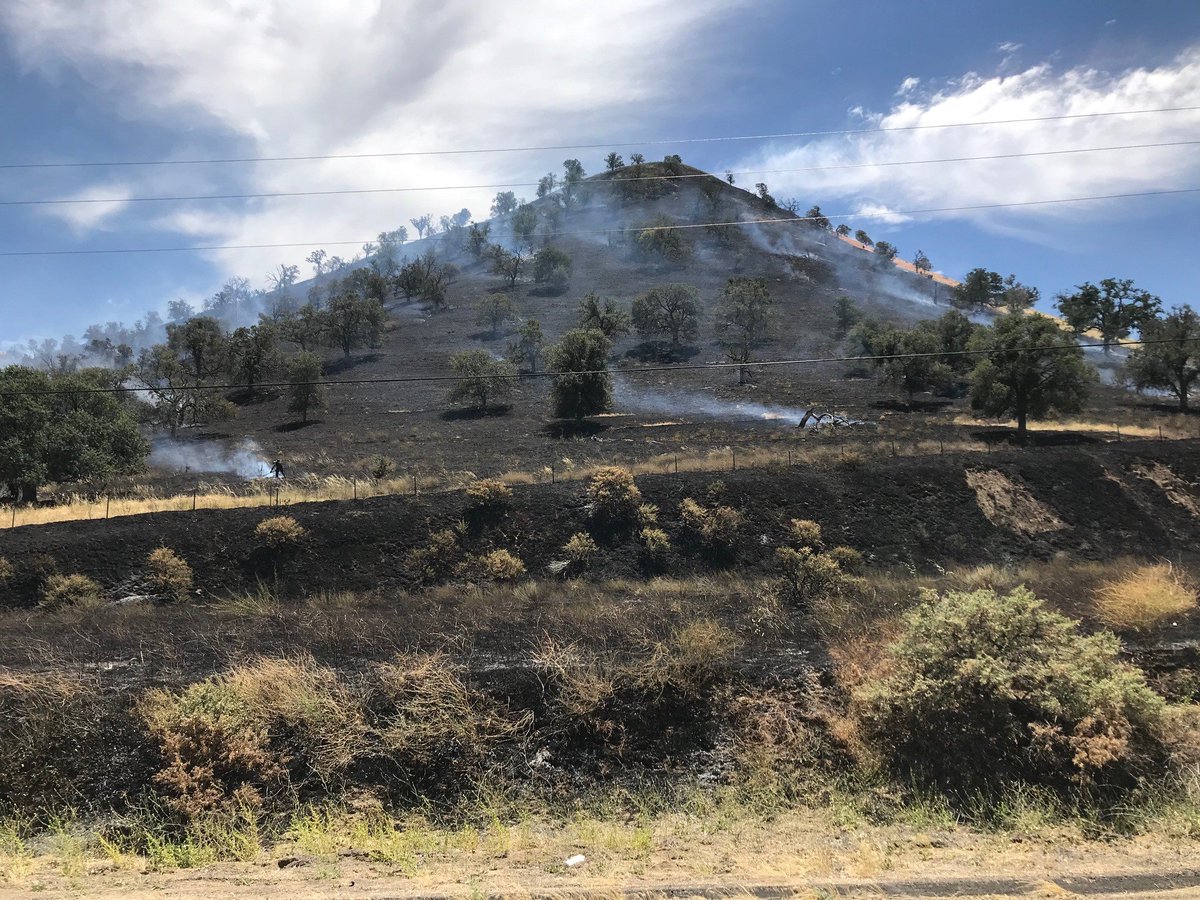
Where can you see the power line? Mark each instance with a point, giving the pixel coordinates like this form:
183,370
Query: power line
605,182
593,231
608,144
684,367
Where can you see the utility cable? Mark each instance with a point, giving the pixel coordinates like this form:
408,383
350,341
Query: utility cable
684,367
606,182
608,144
785,219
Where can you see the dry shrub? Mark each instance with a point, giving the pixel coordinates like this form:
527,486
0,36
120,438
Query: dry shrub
691,660
280,532
647,515
848,559
436,560
430,722
60,591
715,529
804,533
500,565
655,545
808,576
1145,597
232,741
167,574
981,689
488,498
580,549
614,498
380,467
7,570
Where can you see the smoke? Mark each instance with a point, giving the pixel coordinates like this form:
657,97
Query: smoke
245,460
702,406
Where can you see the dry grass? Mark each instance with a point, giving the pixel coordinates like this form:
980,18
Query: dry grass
1146,597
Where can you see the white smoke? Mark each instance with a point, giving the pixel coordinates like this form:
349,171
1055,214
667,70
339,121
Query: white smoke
245,460
702,406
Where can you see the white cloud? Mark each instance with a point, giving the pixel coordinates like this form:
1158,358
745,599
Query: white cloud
1009,47
104,201
299,77
1035,92
908,85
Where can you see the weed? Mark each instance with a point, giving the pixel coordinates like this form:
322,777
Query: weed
280,532
501,565
1145,597
614,497
71,590
580,549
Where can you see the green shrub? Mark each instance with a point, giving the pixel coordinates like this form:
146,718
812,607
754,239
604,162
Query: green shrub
70,590
580,548
807,576
982,689
804,533
437,559
500,565
280,532
167,574
647,515
715,529
655,544
488,498
848,559
614,497
380,467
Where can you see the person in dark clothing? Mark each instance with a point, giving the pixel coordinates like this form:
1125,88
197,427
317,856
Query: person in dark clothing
277,469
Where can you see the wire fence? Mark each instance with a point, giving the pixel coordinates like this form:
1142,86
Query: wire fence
834,450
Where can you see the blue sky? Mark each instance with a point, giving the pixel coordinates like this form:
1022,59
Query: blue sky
141,79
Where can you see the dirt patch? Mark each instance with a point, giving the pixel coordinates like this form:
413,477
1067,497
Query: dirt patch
1010,505
1177,490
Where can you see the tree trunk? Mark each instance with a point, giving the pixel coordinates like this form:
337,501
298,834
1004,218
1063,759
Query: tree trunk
1022,418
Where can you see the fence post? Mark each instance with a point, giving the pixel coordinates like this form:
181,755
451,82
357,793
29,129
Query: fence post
1118,434
1160,434
676,463
194,492
552,473
733,454
107,500
893,448
789,458
414,484
14,514
354,479
941,446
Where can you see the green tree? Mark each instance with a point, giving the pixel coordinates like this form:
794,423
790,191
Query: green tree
670,309
980,289
529,346
582,385
302,327
662,239
503,204
910,360
546,185
745,319
1171,362
482,380
423,224
306,393
524,224
202,347
1031,368
254,354
57,428
921,263
1018,297
884,250
846,315
603,316
863,238
351,321
477,239
613,161
1114,308
842,230
493,311
552,267
816,219
573,175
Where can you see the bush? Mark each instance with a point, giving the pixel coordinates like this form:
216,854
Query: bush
7,570
716,529
580,548
488,498
500,565
1144,598
614,497
436,560
280,532
647,514
380,467
848,559
982,689
70,590
807,576
167,574
655,544
804,533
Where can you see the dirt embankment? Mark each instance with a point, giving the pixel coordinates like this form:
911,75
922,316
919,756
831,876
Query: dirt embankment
917,512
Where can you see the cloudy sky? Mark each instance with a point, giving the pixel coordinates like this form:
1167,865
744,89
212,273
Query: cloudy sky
137,80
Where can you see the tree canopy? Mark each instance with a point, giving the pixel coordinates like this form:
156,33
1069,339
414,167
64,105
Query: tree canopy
1171,362
1114,308
583,386
669,309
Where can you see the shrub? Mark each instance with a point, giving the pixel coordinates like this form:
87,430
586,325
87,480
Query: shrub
580,548
436,560
848,559
380,467
1144,598
655,543
807,575
7,570
804,533
614,497
716,529
167,574
70,590
647,514
500,565
981,689
280,532
488,497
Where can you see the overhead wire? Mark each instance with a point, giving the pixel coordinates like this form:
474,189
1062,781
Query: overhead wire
788,219
593,146
273,195
682,367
